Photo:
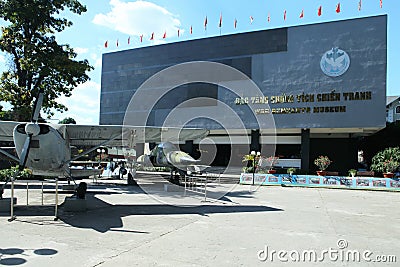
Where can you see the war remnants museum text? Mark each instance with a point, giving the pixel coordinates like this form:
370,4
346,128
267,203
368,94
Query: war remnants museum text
304,98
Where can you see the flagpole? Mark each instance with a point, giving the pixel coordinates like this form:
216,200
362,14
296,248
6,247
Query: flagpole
205,25
220,24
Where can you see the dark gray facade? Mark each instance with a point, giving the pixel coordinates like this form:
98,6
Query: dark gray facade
123,72
327,80
282,62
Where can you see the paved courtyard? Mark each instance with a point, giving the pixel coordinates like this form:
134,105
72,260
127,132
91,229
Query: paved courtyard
250,226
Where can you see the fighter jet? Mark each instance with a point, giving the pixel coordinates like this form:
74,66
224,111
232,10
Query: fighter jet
167,154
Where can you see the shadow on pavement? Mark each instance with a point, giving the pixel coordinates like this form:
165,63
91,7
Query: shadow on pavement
8,255
102,216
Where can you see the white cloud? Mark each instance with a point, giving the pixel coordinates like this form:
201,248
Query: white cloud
139,17
2,59
97,60
81,50
83,105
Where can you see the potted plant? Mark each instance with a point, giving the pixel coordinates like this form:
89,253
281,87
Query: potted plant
252,166
386,161
322,163
247,169
291,171
266,164
352,172
271,161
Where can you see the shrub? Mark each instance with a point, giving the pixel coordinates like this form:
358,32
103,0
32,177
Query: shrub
8,173
387,160
322,162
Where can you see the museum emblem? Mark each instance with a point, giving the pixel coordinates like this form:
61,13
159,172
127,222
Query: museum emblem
335,62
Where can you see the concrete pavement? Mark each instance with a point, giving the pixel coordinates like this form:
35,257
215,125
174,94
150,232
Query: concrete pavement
124,226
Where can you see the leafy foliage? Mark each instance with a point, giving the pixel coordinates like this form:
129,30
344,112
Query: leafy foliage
387,160
291,170
38,62
67,120
247,169
248,157
7,173
322,162
352,172
6,115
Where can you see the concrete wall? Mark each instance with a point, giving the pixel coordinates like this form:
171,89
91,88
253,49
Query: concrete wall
282,62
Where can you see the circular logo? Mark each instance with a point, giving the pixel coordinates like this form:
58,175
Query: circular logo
335,62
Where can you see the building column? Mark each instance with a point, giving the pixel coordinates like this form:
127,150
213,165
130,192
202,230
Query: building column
255,141
305,149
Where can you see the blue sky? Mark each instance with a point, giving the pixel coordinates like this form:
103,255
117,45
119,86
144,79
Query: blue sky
112,20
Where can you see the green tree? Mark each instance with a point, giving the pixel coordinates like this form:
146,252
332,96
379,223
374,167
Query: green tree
67,120
38,62
387,160
5,115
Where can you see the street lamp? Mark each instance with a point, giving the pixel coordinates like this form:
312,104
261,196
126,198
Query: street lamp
100,151
254,154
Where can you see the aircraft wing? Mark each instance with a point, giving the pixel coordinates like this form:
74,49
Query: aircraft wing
127,135
6,130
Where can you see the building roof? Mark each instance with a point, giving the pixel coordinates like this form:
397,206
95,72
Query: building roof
391,99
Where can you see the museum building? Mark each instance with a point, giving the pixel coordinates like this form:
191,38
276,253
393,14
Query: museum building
323,84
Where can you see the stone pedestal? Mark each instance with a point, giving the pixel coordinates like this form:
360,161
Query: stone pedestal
75,204
5,204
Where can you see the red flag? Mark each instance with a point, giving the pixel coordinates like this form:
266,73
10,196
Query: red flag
165,35
106,44
320,11
235,23
191,29
220,21
338,8
302,13
284,15
359,5
380,3
251,19
269,18
152,36
129,40
141,38
117,42
205,23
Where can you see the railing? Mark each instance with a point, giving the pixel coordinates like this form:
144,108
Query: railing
198,183
41,183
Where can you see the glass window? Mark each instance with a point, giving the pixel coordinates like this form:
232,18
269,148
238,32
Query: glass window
398,109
